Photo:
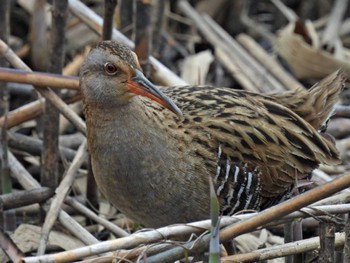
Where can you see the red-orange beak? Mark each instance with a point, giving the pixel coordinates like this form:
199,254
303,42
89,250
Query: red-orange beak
142,86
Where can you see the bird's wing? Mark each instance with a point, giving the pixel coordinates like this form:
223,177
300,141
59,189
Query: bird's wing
250,130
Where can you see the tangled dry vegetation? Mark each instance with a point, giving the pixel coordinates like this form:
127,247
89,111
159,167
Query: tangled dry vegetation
51,209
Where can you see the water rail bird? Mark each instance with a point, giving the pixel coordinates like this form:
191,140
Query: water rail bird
153,151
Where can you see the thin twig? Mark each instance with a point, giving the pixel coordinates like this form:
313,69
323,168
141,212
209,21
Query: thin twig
87,212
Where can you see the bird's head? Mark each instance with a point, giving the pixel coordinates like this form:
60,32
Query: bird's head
111,75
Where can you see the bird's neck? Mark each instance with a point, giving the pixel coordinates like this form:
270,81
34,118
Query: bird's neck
134,119
134,133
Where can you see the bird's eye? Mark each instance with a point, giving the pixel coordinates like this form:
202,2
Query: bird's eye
110,68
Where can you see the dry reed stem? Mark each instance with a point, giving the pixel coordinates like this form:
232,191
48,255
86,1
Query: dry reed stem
116,230
61,192
257,221
283,250
39,79
288,81
161,74
16,62
169,232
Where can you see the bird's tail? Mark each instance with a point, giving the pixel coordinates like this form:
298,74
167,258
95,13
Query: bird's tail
315,105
